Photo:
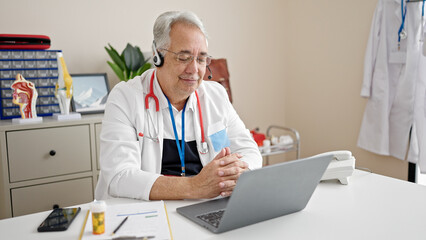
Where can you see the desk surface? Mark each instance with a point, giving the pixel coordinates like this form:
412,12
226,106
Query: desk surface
370,207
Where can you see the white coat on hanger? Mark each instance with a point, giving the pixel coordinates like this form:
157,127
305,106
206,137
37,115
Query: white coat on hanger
391,80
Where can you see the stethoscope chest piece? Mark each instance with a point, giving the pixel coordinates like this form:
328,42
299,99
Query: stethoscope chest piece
204,148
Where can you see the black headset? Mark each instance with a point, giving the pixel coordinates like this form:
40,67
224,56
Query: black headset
158,58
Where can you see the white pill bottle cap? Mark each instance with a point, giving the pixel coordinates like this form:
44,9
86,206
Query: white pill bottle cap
97,206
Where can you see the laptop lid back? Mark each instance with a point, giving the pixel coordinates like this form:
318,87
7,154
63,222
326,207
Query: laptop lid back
273,191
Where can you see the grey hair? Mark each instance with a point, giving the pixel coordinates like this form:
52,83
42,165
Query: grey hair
165,21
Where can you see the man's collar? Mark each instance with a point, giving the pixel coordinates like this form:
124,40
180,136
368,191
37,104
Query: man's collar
160,95
191,103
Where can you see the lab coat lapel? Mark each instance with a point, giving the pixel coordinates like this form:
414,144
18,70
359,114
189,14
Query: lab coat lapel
159,116
160,125
155,127
207,157
192,101
397,12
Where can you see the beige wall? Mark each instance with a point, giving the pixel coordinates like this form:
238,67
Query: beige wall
295,63
325,68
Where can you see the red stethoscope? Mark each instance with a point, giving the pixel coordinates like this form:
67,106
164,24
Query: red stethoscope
204,147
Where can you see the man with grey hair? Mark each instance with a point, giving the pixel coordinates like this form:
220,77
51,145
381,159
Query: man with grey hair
167,134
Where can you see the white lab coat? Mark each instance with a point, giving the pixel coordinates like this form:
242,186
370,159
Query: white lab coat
419,131
130,164
391,82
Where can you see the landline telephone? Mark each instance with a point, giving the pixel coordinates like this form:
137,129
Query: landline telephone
341,167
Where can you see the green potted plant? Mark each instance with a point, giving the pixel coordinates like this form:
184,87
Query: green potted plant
129,64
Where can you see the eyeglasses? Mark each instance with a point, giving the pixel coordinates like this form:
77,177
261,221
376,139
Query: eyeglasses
186,58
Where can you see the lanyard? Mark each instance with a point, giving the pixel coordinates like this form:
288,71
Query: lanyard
204,147
423,10
401,32
181,148
423,22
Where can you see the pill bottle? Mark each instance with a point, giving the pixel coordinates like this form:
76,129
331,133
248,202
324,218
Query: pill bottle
274,140
267,146
98,209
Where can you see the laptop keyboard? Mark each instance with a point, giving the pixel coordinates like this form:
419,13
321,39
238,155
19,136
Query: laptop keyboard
212,218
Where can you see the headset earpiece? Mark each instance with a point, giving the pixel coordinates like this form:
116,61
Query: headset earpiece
158,58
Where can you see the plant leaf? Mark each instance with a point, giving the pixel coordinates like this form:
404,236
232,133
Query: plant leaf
141,57
126,74
117,70
126,55
115,57
113,49
142,69
131,57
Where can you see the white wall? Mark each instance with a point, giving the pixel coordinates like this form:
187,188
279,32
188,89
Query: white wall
295,63
240,31
325,70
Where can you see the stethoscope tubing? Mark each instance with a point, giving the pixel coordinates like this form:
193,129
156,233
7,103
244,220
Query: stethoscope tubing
204,147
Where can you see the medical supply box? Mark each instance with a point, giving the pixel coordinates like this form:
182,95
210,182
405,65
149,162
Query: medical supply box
38,66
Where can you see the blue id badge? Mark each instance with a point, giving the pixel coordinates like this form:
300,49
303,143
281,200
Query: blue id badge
220,140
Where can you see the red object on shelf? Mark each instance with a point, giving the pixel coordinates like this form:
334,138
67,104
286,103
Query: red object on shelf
258,137
24,41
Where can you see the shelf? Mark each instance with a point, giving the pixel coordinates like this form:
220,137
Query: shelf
276,149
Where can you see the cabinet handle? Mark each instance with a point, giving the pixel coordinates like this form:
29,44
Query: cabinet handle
52,152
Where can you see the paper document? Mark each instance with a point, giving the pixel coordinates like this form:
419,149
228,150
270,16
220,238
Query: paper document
145,219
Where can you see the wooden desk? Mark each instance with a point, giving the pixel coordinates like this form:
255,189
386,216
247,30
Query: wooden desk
370,207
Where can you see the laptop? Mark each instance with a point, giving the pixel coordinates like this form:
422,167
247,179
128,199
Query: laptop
261,194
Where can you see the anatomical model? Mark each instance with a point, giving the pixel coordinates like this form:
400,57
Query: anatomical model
25,95
64,88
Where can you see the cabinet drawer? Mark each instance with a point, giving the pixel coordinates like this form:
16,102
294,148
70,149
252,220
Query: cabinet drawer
48,152
42,197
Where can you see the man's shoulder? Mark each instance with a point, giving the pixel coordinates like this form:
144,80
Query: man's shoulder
127,91
212,84
134,83
213,87
215,91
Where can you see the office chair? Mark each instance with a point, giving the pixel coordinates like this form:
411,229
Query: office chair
220,74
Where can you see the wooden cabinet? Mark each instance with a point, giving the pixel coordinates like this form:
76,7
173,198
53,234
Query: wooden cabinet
42,197
48,152
54,162
97,134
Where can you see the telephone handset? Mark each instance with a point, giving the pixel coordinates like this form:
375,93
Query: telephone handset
341,167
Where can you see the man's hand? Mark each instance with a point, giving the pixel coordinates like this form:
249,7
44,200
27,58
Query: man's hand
219,177
216,178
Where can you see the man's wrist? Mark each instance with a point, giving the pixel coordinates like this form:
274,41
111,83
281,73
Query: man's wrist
189,187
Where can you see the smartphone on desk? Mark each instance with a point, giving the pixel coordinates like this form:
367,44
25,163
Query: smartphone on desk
59,219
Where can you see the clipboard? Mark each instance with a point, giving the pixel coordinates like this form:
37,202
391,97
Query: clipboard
145,219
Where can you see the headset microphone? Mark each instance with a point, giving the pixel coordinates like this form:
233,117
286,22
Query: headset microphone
158,59
211,75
